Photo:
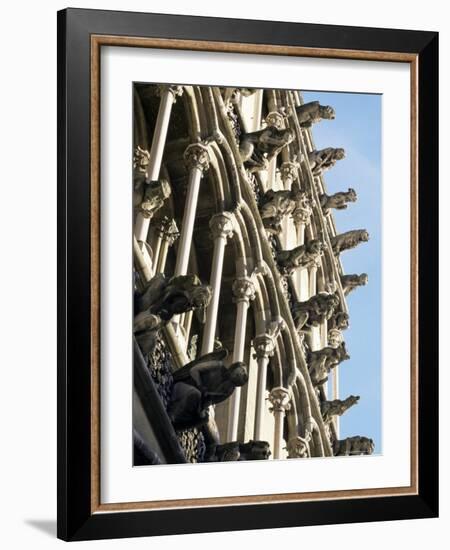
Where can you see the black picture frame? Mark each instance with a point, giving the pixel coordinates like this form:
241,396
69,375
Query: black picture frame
76,521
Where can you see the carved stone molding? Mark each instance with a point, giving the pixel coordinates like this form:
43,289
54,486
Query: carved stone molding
221,225
275,119
197,156
243,290
264,345
280,400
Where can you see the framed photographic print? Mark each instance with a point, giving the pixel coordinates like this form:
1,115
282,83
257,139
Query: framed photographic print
247,274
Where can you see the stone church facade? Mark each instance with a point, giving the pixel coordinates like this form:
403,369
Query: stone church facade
240,304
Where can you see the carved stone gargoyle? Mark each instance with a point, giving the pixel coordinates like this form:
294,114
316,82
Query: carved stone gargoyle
163,298
320,362
200,384
312,112
275,205
356,445
324,159
350,282
337,407
338,200
258,148
348,240
340,320
305,255
252,450
148,196
315,310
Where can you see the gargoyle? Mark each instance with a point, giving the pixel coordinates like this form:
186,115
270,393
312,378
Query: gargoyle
304,255
324,159
154,195
163,298
350,282
337,407
168,297
315,311
312,112
258,148
141,158
321,362
340,320
277,204
200,384
338,200
348,240
356,445
252,450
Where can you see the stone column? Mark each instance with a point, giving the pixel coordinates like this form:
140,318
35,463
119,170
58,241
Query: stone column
279,397
197,160
221,228
168,96
264,349
313,279
167,234
244,292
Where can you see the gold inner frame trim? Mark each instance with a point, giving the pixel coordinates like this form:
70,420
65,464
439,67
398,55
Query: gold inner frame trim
97,41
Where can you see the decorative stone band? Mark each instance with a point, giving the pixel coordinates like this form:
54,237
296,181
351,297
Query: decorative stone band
275,119
221,225
243,290
197,156
280,399
168,230
174,90
264,345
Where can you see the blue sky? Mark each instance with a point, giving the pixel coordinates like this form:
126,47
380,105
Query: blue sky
357,128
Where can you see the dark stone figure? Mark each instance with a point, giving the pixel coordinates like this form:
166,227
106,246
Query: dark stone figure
312,112
320,362
315,311
356,445
324,159
350,282
258,148
252,450
200,384
163,298
348,240
337,407
304,255
168,297
338,200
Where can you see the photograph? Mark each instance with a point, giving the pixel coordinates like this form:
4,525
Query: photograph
257,268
